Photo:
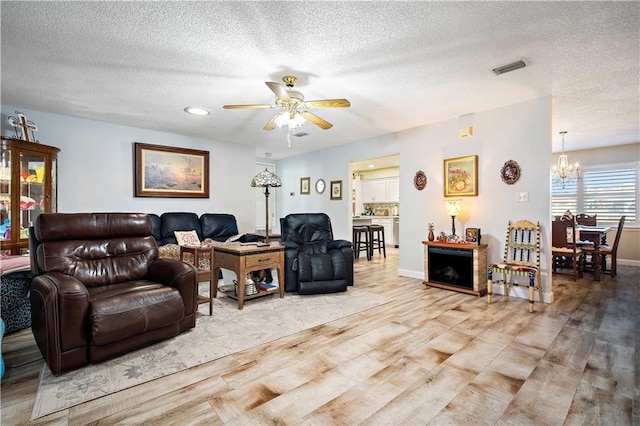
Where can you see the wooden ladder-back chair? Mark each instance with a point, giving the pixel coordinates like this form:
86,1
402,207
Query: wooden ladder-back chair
564,249
521,258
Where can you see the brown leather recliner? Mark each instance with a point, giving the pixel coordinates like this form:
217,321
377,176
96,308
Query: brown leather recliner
101,290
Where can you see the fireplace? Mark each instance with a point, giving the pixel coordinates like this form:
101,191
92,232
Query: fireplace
458,267
451,266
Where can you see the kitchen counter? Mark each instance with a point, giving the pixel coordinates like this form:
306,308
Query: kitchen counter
386,221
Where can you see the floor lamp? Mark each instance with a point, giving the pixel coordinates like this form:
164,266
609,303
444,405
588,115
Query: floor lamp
265,180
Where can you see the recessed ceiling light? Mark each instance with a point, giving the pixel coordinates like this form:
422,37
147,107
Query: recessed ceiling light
371,166
197,111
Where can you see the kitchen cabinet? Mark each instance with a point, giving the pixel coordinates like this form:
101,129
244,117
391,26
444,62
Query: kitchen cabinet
374,191
28,187
393,189
357,198
385,190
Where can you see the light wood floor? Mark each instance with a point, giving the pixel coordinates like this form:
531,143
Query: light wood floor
430,357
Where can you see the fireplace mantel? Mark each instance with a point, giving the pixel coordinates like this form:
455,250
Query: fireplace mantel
479,272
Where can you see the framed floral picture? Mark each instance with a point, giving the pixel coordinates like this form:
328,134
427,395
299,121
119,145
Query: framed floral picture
167,171
305,186
336,190
461,176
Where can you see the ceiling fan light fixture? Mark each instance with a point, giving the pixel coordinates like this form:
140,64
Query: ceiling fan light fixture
509,67
291,123
197,111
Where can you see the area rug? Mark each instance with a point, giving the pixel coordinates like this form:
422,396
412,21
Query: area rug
228,331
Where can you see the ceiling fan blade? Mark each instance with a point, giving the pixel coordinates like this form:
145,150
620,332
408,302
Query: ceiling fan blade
280,91
272,124
328,103
323,124
247,106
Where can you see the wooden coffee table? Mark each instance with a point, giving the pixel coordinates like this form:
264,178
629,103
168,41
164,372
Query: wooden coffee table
243,259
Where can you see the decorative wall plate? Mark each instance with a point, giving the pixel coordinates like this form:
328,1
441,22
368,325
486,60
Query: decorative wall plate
510,172
420,180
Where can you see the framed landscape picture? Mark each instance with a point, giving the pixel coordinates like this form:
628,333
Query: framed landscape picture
461,176
166,171
336,190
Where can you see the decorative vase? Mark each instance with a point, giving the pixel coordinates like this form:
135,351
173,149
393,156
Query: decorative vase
431,236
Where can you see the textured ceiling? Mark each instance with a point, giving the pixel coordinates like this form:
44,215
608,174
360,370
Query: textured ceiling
401,64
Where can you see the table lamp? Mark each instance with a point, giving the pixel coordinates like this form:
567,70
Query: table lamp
453,209
266,179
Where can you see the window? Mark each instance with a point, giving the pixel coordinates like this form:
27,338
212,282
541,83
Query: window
607,191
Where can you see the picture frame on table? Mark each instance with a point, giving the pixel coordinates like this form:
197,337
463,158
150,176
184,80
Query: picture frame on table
305,186
461,176
170,172
472,235
336,189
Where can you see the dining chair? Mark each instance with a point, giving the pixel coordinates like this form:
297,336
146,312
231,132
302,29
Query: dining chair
565,252
521,259
587,219
607,250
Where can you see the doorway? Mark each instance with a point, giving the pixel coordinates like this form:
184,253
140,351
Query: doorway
375,195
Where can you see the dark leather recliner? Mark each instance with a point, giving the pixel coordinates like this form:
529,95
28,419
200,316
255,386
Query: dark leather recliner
101,290
314,261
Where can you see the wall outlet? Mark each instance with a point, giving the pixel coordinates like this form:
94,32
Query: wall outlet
522,197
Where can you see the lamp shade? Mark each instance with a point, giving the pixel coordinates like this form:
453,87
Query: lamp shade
266,179
453,207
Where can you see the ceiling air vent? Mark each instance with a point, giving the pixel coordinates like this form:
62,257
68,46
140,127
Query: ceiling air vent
510,67
300,134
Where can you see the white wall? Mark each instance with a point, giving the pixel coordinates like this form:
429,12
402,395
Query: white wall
96,174
96,168
520,132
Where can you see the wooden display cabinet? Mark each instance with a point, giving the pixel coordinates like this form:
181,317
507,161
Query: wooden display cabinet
28,187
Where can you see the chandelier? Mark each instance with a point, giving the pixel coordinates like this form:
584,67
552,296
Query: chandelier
565,172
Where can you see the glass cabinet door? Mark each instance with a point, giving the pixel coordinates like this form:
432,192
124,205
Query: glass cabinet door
27,189
33,198
5,193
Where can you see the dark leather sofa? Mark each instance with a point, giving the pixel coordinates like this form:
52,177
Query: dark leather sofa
217,226
314,261
100,289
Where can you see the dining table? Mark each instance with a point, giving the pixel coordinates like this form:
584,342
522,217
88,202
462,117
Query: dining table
595,234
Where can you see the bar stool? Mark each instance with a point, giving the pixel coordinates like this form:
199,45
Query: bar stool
358,244
376,237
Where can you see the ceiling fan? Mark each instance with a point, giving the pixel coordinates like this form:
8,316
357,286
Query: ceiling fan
292,103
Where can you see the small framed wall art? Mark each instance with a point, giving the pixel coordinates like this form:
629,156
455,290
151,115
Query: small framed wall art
336,190
420,180
510,172
305,186
461,176
167,171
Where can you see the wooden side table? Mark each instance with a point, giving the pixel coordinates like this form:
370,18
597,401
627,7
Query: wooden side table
272,237
199,253
243,259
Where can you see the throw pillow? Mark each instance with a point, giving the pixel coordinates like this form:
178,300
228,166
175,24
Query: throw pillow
187,238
